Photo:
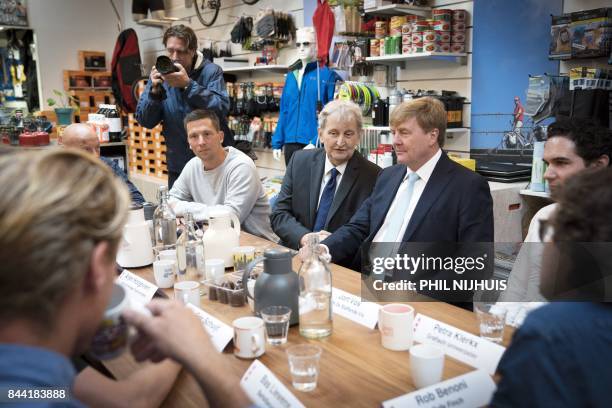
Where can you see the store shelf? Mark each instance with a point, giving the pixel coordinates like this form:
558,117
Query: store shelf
394,58
256,68
385,128
541,194
398,10
112,144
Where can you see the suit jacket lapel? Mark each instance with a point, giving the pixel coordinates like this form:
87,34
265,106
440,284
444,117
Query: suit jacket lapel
349,177
393,185
316,175
435,185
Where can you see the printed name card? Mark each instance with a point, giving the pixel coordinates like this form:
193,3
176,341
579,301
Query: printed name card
474,389
351,307
265,389
139,290
459,344
220,333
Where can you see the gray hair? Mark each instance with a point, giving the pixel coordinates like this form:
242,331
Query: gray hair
346,109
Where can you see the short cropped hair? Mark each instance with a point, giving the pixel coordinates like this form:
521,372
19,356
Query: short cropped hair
184,33
346,109
429,112
55,206
591,141
200,114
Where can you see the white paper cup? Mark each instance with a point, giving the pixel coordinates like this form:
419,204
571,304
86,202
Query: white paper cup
164,271
426,365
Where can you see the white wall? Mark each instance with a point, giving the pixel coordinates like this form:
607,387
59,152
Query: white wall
64,26
150,38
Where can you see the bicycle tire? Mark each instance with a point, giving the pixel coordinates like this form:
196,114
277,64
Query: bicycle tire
216,4
135,87
250,2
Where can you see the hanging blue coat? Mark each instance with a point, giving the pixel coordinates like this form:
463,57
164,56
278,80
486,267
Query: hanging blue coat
297,122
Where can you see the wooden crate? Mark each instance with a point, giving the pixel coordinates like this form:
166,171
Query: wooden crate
146,149
87,80
92,60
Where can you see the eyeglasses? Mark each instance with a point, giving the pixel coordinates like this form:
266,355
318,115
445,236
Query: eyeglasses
305,44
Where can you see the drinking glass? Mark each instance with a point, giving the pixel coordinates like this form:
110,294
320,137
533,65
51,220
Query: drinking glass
491,320
304,366
276,319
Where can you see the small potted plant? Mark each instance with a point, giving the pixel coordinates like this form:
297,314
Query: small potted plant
68,105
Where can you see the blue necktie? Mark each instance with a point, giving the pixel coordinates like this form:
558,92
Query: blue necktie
326,201
396,219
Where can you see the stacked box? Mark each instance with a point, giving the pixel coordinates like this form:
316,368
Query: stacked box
146,149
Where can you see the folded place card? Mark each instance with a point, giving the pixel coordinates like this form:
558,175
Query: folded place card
470,390
352,307
457,343
220,333
138,289
265,389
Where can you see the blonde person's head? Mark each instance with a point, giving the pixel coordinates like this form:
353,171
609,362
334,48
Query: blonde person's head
429,112
55,207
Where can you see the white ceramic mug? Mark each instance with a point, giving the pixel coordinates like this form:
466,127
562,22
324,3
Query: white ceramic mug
187,292
164,271
395,325
426,365
111,338
169,254
215,269
249,337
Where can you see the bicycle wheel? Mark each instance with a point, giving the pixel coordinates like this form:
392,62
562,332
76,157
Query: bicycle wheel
207,11
250,2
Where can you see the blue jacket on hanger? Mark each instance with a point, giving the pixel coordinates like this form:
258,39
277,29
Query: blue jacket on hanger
297,122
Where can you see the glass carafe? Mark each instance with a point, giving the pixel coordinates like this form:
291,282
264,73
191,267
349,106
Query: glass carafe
315,294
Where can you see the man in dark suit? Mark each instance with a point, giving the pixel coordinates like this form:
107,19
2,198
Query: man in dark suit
425,198
323,188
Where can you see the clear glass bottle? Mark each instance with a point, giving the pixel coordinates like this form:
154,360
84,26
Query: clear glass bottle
190,252
315,294
164,220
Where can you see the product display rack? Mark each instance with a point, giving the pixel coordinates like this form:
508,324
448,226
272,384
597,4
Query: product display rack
398,10
399,58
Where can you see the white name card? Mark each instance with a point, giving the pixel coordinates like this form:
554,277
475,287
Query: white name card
470,390
459,344
265,389
220,333
351,307
139,290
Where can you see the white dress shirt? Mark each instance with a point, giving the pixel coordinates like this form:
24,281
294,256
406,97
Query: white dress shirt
424,173
327,175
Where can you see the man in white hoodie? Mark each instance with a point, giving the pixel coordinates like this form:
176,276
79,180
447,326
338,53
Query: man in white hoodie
220,177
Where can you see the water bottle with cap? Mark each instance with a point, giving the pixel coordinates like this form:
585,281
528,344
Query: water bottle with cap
164,220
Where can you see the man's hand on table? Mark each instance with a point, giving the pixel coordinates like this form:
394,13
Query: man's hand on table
173,331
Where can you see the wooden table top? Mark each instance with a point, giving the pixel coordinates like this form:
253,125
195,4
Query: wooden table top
355,369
